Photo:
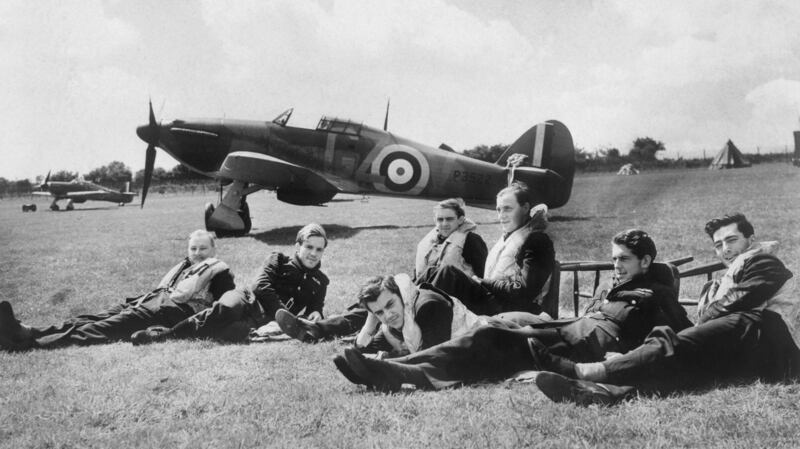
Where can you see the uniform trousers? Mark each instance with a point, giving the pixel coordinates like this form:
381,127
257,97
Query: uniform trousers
115,323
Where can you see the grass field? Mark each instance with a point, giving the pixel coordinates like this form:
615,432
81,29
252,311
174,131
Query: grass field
287,394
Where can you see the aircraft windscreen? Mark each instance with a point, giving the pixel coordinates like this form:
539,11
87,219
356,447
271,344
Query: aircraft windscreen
339,126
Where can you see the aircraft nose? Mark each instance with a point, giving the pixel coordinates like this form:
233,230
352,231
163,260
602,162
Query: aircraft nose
143,132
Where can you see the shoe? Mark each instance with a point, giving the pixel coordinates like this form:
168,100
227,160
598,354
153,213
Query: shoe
344,368
297,328
377,372
539,352
582,392
14,336
152,334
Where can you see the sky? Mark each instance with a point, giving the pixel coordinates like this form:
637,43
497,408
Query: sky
76,75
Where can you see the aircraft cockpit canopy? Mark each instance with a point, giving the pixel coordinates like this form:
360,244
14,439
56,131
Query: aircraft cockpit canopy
336,125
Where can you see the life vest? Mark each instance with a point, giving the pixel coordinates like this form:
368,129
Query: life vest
449,252
463,319
783,302
502,259
189,284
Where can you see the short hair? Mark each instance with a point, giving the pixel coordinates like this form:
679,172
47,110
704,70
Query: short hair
311,230
200,233
638,242
744,226
374,286
520,190
454,204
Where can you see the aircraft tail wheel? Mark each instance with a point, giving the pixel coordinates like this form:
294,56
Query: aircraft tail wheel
54,207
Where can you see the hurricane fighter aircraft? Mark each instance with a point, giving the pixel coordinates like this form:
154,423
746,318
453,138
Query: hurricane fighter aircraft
79,191
310,166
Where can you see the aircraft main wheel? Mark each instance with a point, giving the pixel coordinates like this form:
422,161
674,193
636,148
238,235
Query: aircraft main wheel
28,208
54,207
244,213
208,211
70,205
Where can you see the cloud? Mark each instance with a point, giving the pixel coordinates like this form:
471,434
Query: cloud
436,61
775,108
59,86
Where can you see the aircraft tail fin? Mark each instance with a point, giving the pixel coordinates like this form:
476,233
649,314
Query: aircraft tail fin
127,188
549,146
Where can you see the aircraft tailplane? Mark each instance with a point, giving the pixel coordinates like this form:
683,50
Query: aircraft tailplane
547,145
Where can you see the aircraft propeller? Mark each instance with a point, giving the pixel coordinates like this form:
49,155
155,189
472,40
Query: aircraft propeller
150,135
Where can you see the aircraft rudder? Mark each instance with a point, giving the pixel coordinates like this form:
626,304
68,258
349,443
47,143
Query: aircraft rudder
548,145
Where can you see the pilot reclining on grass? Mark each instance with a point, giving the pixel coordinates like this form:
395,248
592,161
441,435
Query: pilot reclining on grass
405,318
518,270
453,240
294,283
748,326
641,297
190,286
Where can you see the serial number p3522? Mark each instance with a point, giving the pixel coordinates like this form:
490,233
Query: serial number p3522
471,177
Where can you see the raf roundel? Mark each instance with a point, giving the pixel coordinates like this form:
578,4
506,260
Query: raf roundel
404,169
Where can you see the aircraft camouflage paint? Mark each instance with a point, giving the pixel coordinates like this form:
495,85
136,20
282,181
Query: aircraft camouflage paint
310,166
79,191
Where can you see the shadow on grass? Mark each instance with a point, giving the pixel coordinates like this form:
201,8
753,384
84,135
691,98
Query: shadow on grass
287,234
79,209
556,219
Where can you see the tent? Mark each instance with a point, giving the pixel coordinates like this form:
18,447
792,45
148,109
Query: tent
729,157
628,169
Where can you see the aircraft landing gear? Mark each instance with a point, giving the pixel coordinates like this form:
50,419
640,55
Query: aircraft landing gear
54,206
70,205
226,221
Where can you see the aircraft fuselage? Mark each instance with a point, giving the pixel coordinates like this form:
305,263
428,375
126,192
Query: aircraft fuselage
354,157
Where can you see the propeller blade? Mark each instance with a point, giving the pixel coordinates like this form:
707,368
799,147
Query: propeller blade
149,161
149,135
386,119
152,118
45,186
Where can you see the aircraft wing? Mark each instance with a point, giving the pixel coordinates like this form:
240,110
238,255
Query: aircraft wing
88,194
42,193
273,173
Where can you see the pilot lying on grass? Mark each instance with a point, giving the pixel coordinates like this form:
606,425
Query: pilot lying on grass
405,318
641,296
294,283
748,326
453,240
190,286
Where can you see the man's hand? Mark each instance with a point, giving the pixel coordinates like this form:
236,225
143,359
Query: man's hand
633,295
314,316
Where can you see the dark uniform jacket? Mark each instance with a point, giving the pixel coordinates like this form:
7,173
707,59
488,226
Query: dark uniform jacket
286,283
619,318
536,260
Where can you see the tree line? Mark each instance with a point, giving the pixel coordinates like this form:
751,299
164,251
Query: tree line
113,175
642,155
